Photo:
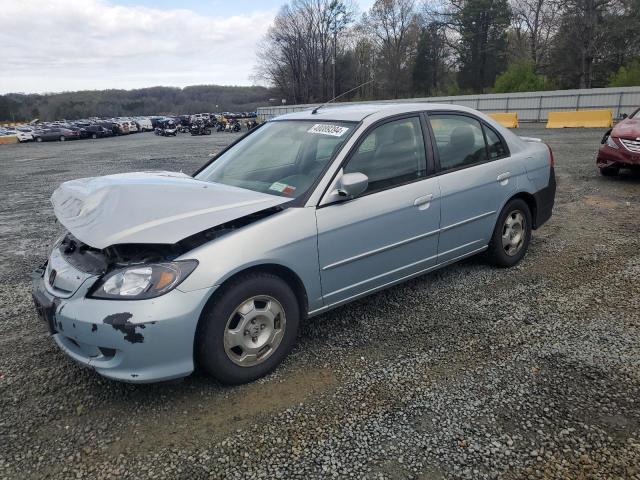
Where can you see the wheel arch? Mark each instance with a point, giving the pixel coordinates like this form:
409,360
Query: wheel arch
531,202
289,276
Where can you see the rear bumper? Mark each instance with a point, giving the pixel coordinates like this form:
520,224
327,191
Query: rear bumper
611,157
137,341
545,200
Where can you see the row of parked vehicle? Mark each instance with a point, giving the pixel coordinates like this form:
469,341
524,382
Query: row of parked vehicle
197,124
202,124
77,129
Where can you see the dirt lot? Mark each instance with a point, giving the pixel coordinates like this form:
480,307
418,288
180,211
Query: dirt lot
470,372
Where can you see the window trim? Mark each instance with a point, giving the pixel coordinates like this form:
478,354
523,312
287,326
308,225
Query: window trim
483,125
354,148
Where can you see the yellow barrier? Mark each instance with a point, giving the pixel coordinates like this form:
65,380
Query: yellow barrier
581,119
508,120
8,140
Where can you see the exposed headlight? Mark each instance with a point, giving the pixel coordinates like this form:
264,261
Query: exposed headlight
143,281
611,143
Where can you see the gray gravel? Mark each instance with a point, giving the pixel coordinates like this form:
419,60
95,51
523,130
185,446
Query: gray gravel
469,372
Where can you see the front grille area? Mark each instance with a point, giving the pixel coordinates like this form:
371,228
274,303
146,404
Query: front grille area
631,145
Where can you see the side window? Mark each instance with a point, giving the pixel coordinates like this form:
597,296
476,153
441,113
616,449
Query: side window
459,140
391,155
494,144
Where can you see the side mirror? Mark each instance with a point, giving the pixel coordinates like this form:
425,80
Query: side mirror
346,187
351,185
624,115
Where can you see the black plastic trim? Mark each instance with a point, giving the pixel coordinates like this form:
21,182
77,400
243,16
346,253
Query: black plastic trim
545,200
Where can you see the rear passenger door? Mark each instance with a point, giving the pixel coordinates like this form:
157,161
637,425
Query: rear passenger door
477,177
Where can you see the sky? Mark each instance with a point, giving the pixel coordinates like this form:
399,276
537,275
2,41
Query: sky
66,45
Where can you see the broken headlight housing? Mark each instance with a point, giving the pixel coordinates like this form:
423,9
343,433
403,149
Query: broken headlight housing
139,282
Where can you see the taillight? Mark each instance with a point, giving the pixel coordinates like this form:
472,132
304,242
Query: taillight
552,161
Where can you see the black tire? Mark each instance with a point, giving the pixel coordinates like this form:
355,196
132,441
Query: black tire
38,139
207,132
62,138
94,136
210,350
610,171
497,253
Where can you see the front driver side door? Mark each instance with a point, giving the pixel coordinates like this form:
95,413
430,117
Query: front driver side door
391,230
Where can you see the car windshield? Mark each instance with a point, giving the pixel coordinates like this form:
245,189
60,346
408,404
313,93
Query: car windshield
280,158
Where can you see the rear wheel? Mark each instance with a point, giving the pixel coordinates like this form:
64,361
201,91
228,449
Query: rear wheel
38,139
94,136
610,171
62,138
511,235
248,329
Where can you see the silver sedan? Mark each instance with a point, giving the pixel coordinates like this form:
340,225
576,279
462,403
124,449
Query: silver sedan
160,272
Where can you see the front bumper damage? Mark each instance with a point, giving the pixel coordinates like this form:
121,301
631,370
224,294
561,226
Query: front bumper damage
136,341
618,158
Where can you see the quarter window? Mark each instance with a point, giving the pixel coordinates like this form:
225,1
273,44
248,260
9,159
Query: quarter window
495,147
390,155
459,140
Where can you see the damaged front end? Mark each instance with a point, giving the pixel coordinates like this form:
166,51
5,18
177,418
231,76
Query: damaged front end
147,340
110,289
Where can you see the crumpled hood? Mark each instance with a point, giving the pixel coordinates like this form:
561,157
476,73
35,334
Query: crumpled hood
629,128
150,207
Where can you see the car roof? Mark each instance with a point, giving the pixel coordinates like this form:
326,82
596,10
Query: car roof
359,111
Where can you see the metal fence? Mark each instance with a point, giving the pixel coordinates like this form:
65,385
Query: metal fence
530,106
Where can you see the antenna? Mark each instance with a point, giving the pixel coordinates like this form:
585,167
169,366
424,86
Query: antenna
315,110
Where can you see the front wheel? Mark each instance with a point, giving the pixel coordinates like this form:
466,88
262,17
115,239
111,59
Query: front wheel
511,235
62,138
38,139
248,329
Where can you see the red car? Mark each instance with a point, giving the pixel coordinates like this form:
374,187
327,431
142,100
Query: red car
621,146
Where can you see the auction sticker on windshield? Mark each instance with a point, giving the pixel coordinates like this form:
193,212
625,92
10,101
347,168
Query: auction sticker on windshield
325,129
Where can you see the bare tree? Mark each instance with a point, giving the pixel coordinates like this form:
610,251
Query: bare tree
394,28
539,20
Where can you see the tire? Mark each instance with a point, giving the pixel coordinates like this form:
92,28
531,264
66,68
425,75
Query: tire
207,132
511,235
94,136
38,139
610,171
275,333
62,138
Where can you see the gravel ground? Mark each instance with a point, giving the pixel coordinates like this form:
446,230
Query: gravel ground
469,372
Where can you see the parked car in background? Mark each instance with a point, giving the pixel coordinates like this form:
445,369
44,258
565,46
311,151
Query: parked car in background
23,135
133,127
144,124
98,131
160,271
620,146
122,127
54,134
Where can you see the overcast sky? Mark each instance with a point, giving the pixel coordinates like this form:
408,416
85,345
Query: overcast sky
62,45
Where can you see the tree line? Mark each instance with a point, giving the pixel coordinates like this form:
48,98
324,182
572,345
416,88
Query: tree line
144,101
316,49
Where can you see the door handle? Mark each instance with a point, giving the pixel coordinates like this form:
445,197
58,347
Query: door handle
423,202
503,178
